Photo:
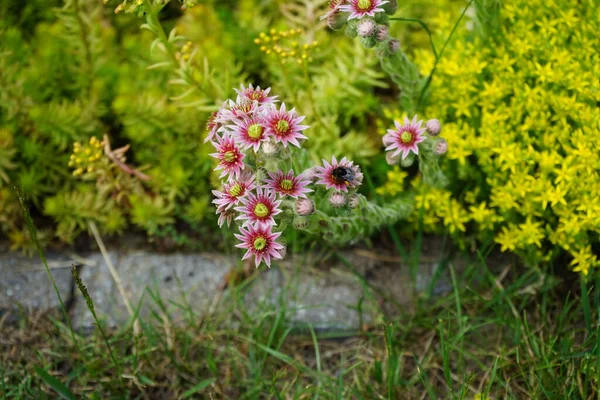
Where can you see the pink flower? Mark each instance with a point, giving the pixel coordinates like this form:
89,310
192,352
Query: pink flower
256,94
233,191
249,131
242,107
283,125
288,184
230,156
405,137
260,242
339,175
259,209
360,8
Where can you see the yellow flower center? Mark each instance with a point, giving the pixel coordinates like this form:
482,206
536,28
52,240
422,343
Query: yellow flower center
256,95
230,156
261,210
255,131
282,126
260,243
364,4
236,190
287,184
406,137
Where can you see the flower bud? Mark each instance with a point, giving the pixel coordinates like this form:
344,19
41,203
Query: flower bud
392,159
336,20
390,7
393,46
366,28
408,161
283,251
440,147
354,200
337,200
382,33
269,148
305,207
433,126
387,140
368,42
351,31
301,222
311,174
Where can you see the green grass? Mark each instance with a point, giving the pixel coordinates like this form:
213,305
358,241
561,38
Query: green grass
514,334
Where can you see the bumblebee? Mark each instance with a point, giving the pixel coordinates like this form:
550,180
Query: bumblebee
343,175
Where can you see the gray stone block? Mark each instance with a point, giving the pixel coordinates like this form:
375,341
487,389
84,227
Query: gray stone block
24,282
179,283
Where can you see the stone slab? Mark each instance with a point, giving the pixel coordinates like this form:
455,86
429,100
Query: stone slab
158,284
24,282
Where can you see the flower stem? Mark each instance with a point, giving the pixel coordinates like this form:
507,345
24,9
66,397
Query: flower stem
441,53
424,25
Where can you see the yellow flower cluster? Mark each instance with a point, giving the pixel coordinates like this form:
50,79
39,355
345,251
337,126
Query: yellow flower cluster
86,158
285,45
523,124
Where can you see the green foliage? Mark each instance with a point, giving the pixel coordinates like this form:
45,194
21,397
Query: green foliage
74,71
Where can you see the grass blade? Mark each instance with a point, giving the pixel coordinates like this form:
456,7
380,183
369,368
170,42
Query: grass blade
55,384
199,387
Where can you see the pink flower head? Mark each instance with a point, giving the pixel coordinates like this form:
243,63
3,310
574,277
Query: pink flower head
233,191
260,208
339,175
260,242
284,125
230,156
288,184
256,94
249,131
405,137
212,126
242,107
360,8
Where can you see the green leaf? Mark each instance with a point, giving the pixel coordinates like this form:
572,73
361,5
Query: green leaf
199,387
55,384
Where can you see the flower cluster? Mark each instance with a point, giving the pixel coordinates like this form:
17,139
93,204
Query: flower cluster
85,159
524,132
254,138
367,19
286,45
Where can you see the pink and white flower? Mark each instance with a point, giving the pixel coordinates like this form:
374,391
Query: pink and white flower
339,175
256,94
288,184
259,209
229,155
260,242
284,125
405,138
360,8
249,131
212,126
242,107
233,191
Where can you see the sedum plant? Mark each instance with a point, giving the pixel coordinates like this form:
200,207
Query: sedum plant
517,91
